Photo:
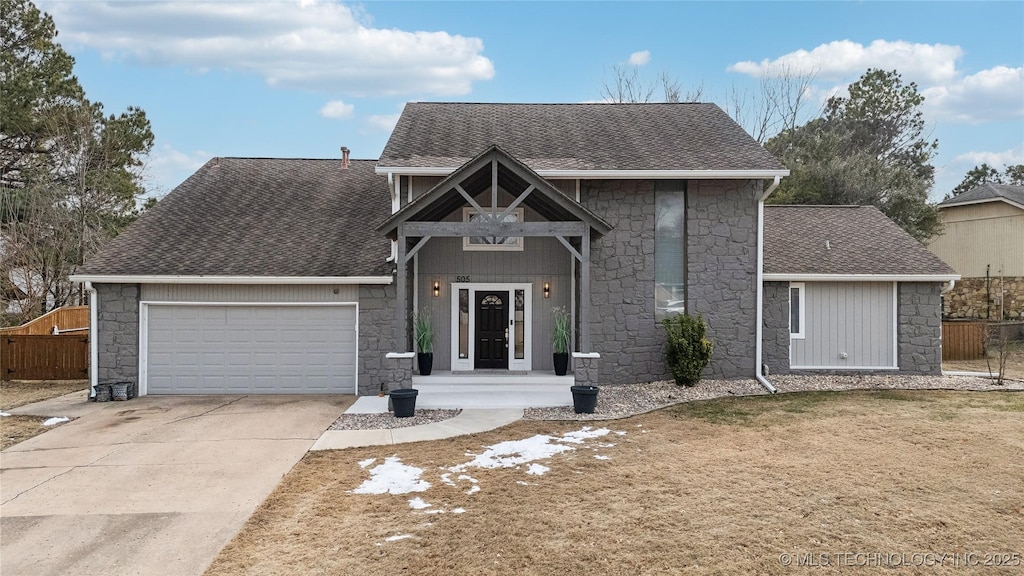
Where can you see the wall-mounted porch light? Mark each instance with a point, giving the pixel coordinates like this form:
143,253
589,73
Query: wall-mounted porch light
437,288
547,289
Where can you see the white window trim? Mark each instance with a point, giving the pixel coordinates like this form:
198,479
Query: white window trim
516,246
801,331
144,330
466,364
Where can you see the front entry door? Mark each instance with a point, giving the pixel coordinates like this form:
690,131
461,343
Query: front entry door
492,330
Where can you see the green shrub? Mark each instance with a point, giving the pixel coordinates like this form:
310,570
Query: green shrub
561,334
423,331
688,350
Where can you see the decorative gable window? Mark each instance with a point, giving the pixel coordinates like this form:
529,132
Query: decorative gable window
669,248
493,243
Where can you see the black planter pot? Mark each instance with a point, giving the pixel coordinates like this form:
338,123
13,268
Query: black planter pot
561,363
584,399
404,402
425,360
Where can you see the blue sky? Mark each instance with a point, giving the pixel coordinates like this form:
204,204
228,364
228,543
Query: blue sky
301,79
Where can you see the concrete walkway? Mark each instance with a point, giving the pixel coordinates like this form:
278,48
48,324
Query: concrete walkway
154,486
469,421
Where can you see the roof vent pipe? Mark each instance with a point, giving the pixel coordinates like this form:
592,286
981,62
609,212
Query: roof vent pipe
344,157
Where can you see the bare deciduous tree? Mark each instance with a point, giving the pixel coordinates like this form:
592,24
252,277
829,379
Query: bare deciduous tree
628,86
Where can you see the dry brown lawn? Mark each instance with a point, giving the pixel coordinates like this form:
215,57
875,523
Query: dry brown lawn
728,486
14,429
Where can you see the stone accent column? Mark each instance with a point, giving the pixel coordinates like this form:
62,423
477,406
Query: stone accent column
376,335
117,327
920,327
775,327
586,368
397,372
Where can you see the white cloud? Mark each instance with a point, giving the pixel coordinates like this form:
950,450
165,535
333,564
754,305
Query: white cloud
989,95
337,109
312,45
640,58
383,122
926,63
167,167
994,159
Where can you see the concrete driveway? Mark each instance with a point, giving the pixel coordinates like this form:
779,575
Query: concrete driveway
155,485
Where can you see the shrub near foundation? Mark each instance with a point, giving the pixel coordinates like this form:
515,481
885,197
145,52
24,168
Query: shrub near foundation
688,349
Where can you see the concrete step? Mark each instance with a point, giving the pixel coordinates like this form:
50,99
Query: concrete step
504,397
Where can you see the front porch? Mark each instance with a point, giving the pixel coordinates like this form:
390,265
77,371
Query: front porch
490,390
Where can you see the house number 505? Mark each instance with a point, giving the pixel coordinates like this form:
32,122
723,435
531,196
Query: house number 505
462,278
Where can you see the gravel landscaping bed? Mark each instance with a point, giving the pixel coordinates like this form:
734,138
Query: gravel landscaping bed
624,400
387,420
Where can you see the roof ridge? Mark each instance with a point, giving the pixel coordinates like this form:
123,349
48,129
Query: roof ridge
565,103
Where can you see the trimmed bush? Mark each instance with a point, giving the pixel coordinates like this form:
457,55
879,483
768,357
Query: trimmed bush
688,350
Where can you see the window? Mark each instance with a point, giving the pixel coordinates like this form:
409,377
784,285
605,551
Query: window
796,310
492,242
669,248
463,323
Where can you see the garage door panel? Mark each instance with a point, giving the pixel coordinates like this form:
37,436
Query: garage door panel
200,349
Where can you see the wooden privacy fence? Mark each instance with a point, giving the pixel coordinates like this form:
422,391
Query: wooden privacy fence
963,340
65,318
44,357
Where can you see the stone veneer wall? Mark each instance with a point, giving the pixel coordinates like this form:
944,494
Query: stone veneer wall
722,262
376,336
117,326
920,327
775,328
967,299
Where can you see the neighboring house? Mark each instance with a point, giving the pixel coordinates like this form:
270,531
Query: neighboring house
983,240
275,275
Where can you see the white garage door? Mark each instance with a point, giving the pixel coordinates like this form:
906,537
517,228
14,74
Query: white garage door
272,349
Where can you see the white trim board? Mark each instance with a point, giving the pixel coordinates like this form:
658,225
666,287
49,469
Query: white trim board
844,368
982,201
144,330
604,174
285,280
860,277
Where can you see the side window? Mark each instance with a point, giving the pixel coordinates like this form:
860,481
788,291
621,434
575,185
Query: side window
669,248
796,310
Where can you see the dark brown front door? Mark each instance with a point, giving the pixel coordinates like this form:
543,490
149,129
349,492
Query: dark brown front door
492,330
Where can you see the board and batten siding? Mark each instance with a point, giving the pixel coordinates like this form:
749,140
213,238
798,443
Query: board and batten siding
851,318
255,293
979,236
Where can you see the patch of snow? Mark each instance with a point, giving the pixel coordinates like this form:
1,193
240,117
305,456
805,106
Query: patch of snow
583,434
467,477
367,462
447,479
56,420
3,414
434,511
473,489
601,457
417,503
393,477
521,483
458,511
512,453
537,469
620,432
397,537
606,445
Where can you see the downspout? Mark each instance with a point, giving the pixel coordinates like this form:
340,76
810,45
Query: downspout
94,347
758,366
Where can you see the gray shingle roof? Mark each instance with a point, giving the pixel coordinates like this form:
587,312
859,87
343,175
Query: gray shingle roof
861,240
259,217
984,192
686,136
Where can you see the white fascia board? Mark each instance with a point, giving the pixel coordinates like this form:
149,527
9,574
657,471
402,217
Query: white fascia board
860,277
982,201
149,279
609,174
